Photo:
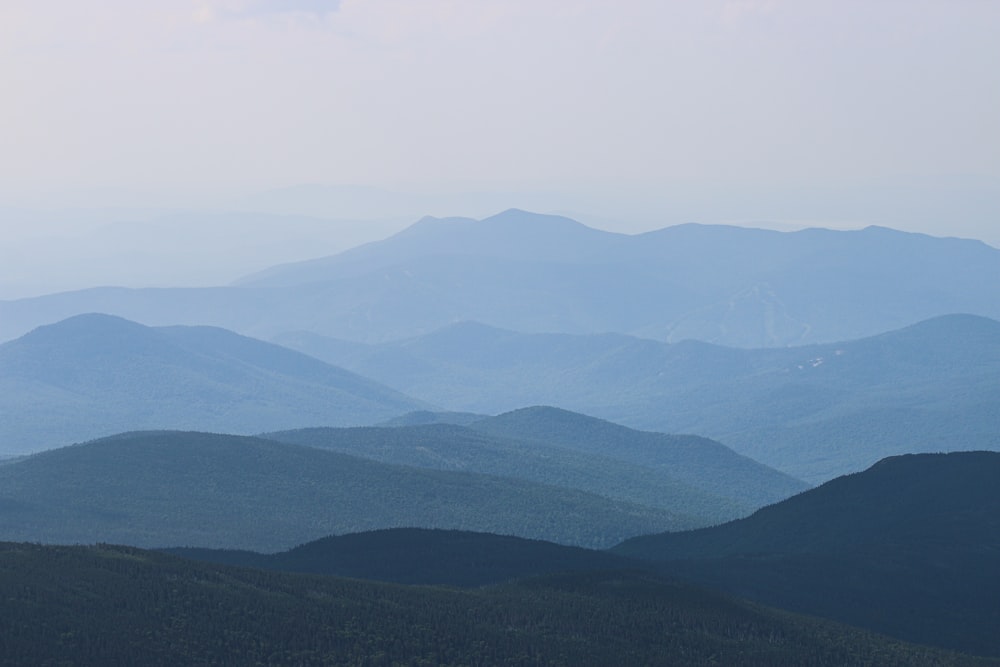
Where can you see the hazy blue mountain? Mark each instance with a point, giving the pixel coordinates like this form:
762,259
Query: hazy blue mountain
536,273
423,417
237,492
700,481
730,285
814,411
908,548
153,608
94,375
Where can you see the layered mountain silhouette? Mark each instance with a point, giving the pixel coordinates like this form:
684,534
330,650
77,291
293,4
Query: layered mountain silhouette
536,273
908,548
814,412
156,489
95,375
700,479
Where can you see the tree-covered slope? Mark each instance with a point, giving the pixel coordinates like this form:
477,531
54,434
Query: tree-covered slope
224,491
422,556
696,495
908,547
699,462
95,375
117,605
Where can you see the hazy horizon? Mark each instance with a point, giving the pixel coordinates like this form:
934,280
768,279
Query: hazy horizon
131,133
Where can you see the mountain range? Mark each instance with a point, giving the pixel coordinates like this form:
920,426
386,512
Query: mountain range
814,412
535,273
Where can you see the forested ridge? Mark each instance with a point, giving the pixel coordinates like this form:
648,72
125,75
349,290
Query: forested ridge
100,605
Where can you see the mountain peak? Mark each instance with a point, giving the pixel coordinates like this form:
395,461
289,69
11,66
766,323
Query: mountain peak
90,330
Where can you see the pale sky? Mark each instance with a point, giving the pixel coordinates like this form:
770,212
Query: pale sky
641,113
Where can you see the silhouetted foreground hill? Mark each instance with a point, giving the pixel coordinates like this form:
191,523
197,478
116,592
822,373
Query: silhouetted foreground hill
539,273
421,556
908,547
117,605
196,489
814,412
95,375
702,481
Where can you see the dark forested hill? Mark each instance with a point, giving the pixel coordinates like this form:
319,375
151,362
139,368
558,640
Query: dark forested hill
538,273
223,491
421,556
701,481
908,547
106,605
95,375
814,412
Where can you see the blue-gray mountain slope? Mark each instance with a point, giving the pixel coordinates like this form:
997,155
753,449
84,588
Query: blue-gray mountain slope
814,412
536,273
95,375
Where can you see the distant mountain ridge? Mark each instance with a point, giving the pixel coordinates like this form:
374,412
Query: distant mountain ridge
534,273
94,375
814,412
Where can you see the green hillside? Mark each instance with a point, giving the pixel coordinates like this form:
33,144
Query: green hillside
224,491
696,500
698,462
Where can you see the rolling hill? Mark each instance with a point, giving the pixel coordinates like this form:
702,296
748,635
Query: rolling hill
701,481
157,489
814,412
422,556
907,548
95,375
